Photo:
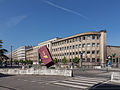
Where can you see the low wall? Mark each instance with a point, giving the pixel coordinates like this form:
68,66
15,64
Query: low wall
37,72
115,76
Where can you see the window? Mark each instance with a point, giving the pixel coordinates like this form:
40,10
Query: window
70,41
80,39
70,47
93,52
67,47
76,53
83,37
83,52
98,37
73,39
97,44
67,41
67,53
93,59
70,53
76,46
76,39
97,52
93,37
98,60
113,60
93,45
88,45
88,52
83,45
73,46
79,52
79,45
88,37
60,49
88,59
73,53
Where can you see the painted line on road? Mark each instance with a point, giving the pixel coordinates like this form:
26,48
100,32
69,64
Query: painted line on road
78,83
75,86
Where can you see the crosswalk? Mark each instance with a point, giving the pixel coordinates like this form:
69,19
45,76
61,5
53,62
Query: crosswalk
80,82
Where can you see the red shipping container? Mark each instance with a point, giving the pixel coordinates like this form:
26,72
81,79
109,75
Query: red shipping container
46,56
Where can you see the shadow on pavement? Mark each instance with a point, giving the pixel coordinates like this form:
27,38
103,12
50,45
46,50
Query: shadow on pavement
105,87
7,88
4,75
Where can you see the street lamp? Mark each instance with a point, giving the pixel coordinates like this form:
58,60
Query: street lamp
11,55
81,54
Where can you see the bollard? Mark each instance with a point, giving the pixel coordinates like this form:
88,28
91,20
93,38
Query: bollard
106,69
83,69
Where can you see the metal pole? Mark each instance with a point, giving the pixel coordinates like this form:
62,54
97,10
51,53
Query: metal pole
11,56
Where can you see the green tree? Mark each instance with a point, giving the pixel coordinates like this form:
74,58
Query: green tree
2,52
64,60
76,60
55,60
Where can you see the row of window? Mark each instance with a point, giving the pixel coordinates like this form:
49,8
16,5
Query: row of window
85,60
76,39
76,53
76,46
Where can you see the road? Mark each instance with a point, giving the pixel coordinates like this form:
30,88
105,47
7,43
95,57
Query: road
91,80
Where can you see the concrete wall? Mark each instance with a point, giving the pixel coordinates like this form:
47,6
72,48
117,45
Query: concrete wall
37,72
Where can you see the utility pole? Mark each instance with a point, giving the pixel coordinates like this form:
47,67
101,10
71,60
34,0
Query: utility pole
11,55
81,54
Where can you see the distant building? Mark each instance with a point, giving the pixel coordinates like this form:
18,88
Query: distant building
114,51
19,53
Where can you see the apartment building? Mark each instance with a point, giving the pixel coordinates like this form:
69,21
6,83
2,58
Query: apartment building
92,46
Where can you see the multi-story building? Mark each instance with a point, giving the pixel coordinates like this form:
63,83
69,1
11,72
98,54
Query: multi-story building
92,46
32,54
114,51
19,53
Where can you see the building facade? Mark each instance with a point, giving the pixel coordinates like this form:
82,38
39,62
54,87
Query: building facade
114,51
19,53
92,46
33,54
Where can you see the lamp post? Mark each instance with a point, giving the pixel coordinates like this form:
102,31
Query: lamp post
11,55
81,54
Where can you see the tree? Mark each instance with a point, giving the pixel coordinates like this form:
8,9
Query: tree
55,60
76,60
64,60
2,52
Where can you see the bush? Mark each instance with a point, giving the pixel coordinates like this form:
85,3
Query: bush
76,60
64,60
55,60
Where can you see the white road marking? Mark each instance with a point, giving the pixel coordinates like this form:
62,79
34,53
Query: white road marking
75,86
79,83
92,82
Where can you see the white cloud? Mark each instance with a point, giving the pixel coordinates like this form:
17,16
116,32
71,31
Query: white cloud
65,9
13,21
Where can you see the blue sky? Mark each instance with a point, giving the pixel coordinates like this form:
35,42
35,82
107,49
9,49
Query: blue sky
29,22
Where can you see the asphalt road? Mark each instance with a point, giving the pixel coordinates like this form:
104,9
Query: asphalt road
90,79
